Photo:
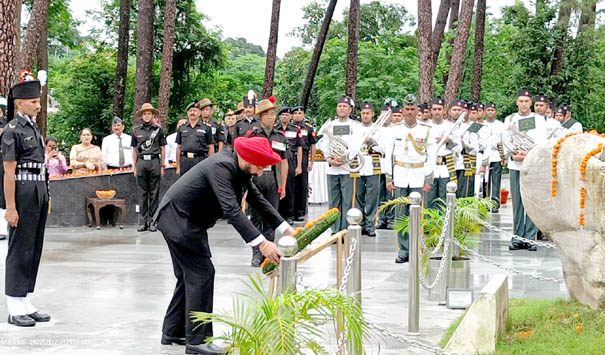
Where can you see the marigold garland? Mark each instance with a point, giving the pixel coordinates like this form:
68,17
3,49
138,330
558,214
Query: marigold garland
555,151
583,164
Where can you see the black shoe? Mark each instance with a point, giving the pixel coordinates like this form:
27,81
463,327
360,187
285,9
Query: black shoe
204,349
21,321
532,248
142,228
39,317
170,340
2,236
300,219
153,228
364,232
371,233
401,259
515,247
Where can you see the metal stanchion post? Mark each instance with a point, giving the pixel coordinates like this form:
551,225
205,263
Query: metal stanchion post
287,246
414,281
451,205
354,217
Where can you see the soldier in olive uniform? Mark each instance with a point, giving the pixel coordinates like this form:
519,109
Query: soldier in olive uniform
301,183
272,183
26,201
195,141
218,131
294,138
148,157
244,125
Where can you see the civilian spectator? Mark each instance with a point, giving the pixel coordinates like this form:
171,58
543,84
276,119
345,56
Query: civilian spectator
117,152
171,145
53,159
86,157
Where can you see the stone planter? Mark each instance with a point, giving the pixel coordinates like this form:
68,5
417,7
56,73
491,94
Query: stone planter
460,276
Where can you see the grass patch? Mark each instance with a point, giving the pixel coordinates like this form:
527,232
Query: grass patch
552,326
450,331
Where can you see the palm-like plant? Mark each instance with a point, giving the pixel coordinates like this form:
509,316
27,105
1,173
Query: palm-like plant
469,215
288,323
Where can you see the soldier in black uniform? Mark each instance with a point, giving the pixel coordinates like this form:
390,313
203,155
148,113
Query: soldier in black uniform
191,206
194,139
272,184
148,158
244,125
301,183
294,138
3,123
218,131
26,201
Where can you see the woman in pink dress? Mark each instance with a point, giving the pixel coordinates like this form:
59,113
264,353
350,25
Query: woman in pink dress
53,159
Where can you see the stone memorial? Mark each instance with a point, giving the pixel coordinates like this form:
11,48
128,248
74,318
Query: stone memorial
563,192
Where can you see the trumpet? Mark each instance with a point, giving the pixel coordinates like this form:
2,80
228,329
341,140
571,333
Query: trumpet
449,133
339,149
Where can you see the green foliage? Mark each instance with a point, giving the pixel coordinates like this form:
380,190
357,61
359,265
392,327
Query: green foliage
84,87
240,46
290,323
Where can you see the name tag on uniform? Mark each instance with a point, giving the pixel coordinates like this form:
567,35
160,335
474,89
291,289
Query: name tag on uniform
190,155
304,132
201,131
146,157
213,130
525,124
278,145
475,127
267,168
290,134
341,130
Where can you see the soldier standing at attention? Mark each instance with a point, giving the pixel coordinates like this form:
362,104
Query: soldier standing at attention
569,124
535,127
301,183
195,141
25,183
294,138
495,128
148,159
245,125
272,183
218,132
411,153
553,127
385,219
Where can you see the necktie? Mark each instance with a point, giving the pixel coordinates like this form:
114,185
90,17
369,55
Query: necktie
121,153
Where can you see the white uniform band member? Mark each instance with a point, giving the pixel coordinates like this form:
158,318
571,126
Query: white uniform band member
495,128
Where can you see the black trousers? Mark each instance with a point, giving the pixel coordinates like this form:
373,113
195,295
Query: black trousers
495,177
188,163
437,191
301,188
148,179
194,272
268,187
466,185
385,195
286,205
25,241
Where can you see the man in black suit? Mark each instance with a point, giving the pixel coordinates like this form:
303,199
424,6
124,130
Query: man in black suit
210,190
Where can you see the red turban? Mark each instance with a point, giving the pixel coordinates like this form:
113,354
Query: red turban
256,151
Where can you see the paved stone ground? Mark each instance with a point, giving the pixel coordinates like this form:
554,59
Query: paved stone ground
107,290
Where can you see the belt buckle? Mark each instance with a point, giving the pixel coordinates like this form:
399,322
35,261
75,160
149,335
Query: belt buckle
146,157
190,155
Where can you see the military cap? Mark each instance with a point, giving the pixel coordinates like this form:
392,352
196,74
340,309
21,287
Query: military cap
472,106
437,100
116,119
345,100
524,92
367,106
410,99
230,112
459,103
395,109
390,102
250,99
490,105
561,110
240,108
194,104
297,108
29,89
284,109
480,105
541,98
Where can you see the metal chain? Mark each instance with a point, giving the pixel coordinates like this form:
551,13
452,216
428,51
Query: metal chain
517,272
403,339
440,271
342,288
441,237
514,236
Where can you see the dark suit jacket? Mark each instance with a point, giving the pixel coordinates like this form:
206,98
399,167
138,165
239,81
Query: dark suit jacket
208,191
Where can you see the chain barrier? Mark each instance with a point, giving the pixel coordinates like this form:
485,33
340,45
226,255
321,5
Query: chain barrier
403,339
441,237
342,288
504,267
432,252
514,236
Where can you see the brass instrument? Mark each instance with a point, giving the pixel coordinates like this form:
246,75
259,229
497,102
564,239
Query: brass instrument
518,141
339,149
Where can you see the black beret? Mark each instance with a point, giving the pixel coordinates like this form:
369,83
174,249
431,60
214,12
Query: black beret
541,98
437,100
395,109
367,106
297,108
459,103
345,100
194,104
490,105
284,109
524,92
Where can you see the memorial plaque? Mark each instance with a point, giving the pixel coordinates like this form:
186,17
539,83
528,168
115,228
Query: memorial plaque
459,298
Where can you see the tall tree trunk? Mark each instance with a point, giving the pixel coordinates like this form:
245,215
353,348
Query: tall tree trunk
459,52
478,56
29,49
144,66
354,17
561,28
7,44
425,51
41,119
167,51
18,10
454,14
271,50
319,45
444,9
588,17
122,60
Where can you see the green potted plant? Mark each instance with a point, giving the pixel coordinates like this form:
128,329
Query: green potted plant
289,323
470,213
